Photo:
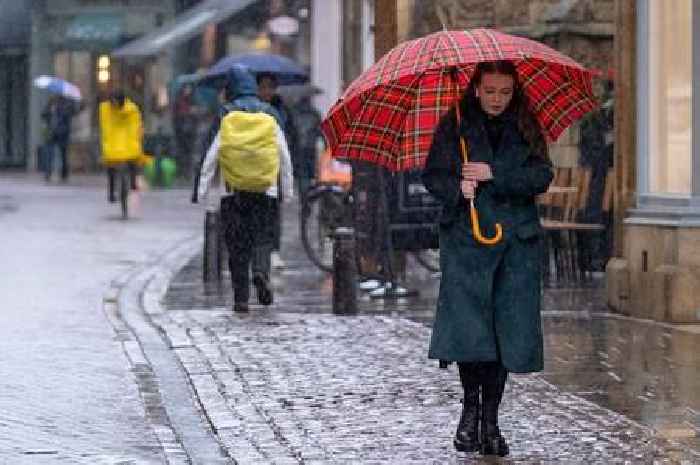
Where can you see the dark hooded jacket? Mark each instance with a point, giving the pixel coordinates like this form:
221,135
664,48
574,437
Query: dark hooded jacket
242,94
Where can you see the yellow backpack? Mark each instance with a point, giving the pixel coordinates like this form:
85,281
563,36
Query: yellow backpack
248,153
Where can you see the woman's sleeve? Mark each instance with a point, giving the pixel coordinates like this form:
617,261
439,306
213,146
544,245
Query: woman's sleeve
439,176
531,179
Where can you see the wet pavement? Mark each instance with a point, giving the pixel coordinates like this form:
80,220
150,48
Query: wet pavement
296,384
110,355
67,391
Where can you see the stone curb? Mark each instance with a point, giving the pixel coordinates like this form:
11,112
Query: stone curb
172,448
143,289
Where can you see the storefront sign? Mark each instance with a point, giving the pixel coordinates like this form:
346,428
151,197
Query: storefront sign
95,28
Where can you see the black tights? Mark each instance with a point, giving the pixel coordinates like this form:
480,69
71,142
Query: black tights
481,373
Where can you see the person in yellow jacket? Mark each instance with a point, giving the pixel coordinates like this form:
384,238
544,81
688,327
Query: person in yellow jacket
121,134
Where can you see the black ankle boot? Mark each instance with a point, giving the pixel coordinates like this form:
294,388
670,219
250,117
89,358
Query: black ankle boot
492,442
467,436
494,445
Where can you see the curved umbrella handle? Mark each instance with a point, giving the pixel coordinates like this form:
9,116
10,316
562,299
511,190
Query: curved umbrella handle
464,151
476,230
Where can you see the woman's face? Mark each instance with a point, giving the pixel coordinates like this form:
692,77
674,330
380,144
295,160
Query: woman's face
495,92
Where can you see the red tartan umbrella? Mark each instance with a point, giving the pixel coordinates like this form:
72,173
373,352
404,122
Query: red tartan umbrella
388,114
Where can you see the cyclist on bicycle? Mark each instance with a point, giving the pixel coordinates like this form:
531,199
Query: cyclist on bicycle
121,134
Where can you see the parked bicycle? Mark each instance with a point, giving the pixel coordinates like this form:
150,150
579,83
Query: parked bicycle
324,208
328,205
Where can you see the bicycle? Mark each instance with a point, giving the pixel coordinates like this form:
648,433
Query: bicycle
123,176
326,207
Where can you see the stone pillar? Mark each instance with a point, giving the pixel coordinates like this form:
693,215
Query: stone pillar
696,99
385,27
659,275
39,63
326,48
625,115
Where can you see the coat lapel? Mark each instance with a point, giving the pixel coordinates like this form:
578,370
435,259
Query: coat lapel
478,145
511,149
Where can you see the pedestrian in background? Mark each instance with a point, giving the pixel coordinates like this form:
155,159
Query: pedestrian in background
308,123
121,137
252,153
185,122
267,91
488,311
58,116
597,144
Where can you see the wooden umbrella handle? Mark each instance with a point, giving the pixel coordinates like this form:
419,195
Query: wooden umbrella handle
476,230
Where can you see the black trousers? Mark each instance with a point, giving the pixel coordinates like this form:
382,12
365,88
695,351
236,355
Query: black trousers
111,178
248,220
60,146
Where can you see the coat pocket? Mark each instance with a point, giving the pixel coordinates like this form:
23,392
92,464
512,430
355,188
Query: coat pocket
528,230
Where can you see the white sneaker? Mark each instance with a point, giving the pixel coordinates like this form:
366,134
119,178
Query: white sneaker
390,289
276,261
369,284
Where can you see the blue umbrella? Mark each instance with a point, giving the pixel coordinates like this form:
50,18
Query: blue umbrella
58,86
285,70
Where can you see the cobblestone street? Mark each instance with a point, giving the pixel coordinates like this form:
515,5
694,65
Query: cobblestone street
309,388
296,384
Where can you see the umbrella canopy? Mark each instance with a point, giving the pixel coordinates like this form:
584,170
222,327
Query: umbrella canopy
388,114
287,71
59,87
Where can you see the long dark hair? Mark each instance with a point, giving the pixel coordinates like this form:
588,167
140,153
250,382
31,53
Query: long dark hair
527,123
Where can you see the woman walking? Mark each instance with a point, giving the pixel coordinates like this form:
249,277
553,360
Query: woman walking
488,310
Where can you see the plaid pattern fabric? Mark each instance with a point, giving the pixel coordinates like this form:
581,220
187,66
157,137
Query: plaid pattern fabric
388,114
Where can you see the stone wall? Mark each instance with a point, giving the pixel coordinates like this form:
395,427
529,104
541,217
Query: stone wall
582,29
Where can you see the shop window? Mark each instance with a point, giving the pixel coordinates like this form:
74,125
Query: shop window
76,67
670,96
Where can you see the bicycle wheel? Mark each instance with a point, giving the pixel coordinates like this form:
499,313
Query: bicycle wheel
124,186
322,211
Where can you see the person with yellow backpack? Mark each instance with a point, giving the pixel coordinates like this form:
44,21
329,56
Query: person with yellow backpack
254,162
121,135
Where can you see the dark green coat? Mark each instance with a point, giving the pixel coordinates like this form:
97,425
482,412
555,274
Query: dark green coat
489,303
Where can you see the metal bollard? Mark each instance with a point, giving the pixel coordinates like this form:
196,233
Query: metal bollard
344,272
211,256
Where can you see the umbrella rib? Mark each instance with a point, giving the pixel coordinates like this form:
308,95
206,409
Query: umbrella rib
476,45
455,46
495,44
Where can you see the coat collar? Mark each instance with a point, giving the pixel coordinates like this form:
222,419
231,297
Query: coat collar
479,147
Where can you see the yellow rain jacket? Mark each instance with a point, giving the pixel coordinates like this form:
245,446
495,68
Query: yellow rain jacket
121,132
